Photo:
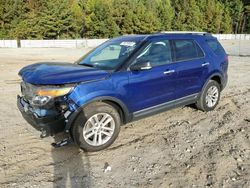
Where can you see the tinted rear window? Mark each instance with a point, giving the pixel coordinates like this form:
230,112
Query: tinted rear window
186,50
216,47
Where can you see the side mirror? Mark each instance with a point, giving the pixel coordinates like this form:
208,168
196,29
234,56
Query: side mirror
139,66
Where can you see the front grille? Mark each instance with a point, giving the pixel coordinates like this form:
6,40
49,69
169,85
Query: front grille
27,90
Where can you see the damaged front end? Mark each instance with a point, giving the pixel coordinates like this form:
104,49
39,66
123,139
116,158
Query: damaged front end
46,108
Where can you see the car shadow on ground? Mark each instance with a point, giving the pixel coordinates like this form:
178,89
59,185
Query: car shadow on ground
71,166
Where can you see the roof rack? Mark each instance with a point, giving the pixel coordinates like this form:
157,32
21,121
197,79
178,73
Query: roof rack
186,32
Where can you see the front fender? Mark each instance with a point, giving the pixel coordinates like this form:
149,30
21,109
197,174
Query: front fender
127,115
112,90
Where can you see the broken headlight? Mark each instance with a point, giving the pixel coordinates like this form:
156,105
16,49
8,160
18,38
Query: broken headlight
42,95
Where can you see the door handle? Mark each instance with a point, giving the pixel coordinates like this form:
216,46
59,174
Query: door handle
205,64
169,72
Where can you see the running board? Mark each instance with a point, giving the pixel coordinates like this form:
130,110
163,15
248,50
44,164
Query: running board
165,106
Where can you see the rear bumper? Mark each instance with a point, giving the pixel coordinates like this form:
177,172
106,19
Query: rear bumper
53,122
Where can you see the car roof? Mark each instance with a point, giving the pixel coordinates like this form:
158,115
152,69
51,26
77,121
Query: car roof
171,34
181,34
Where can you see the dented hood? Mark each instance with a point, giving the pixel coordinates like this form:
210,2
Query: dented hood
60,73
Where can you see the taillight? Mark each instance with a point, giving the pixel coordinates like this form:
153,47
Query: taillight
226,58
224,65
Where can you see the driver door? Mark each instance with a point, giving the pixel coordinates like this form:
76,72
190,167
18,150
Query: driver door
156,85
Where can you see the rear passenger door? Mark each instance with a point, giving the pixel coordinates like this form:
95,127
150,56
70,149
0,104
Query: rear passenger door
191,67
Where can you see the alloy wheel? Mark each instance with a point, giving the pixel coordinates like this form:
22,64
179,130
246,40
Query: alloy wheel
212,96
99,129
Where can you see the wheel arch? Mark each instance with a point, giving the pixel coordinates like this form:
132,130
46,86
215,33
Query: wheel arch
201,103
116,103
216,77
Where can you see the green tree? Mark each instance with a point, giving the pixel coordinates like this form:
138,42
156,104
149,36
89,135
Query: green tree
123,15
247,19
226,24
187,15
216,16
51,20
145,20
236,11
165,12
11,13
134,16
98,20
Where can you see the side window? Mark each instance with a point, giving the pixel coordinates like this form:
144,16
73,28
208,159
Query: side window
157,53
216,47
187,49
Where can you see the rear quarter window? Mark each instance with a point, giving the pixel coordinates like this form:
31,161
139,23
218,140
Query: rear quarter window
187,49
216,47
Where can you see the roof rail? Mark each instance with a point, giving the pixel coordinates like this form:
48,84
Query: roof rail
186,32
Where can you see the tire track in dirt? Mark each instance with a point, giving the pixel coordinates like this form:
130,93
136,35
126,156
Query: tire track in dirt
211,147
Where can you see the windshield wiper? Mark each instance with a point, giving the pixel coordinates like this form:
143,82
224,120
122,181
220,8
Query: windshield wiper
87,65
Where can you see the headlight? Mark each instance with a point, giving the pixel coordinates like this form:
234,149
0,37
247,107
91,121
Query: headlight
40,100
53,92
43,95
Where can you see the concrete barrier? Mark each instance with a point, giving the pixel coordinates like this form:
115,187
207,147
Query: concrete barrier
8,44
90,43
78,43
236,47
234,44
52,43
232,36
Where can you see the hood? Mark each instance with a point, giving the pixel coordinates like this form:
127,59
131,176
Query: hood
60,73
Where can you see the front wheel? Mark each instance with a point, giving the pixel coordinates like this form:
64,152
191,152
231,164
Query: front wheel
209,97
96,127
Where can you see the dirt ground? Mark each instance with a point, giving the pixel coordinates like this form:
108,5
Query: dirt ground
179,148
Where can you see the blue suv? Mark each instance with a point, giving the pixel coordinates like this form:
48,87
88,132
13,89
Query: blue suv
122,80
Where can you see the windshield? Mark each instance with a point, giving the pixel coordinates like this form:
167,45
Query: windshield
109,55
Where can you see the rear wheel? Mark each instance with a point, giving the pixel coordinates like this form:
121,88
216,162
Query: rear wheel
209,97
96,127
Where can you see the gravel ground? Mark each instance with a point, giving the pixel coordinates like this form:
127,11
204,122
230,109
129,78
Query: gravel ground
178,148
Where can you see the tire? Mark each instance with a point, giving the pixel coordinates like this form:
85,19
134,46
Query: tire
203,103
88,124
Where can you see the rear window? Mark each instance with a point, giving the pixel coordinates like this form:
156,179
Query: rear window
186,50
216,47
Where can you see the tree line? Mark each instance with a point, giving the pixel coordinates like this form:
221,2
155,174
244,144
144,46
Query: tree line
69,19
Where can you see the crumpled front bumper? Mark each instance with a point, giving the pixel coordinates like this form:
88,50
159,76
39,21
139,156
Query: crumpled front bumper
48,121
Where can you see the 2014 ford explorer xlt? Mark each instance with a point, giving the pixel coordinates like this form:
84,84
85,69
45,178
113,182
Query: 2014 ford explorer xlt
122,80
